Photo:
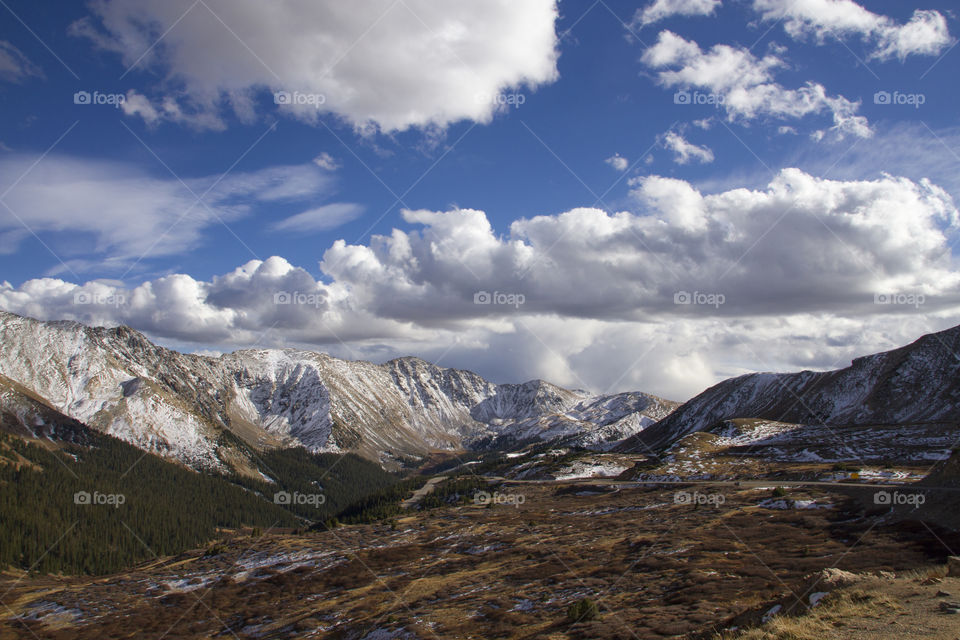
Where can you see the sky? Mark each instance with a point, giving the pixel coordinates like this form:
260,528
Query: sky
607,195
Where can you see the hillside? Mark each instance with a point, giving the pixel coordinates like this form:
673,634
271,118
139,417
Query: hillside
913,385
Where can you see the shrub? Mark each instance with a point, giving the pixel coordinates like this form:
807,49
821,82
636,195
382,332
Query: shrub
583,610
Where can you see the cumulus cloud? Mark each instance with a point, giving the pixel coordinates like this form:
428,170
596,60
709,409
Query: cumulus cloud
742,84
14,65
684,151
660,9
926,32
587,298
375,63
125,213
618,162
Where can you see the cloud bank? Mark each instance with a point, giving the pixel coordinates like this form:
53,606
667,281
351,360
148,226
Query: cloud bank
657,298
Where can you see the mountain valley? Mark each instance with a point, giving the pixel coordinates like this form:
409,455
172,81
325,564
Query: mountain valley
406,500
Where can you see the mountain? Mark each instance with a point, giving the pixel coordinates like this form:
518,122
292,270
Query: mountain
915,384
49,461
208,412
25,416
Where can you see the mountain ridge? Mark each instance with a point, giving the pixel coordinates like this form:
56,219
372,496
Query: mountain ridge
914,383
178,405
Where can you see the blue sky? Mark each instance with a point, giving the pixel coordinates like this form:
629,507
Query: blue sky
816,203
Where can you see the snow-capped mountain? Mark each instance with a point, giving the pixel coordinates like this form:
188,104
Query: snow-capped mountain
200,410
918,383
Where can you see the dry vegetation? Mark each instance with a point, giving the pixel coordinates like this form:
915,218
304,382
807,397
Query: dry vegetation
655,569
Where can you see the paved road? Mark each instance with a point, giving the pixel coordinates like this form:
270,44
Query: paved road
422,491
633,484
735,483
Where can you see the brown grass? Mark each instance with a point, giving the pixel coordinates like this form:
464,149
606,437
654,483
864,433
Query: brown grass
820,623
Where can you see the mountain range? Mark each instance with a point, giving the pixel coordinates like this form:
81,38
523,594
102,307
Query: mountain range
212,412
207,412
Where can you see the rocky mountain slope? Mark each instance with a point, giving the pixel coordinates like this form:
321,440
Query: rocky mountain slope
915,384
200,410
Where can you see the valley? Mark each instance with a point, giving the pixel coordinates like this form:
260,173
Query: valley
656,563
668,557
542,513
460,320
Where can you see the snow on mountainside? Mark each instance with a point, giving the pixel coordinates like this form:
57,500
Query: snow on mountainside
918,383
527,400
598,423
181,405
26,416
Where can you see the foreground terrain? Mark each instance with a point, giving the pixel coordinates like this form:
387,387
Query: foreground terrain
658,561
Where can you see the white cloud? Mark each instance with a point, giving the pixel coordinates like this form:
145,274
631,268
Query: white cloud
798,262
106,208
660,9
15,66
684,151
926,33
328,216
326,161
137,104
169,109
618,162
375,63
907,149
742,84
10,240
